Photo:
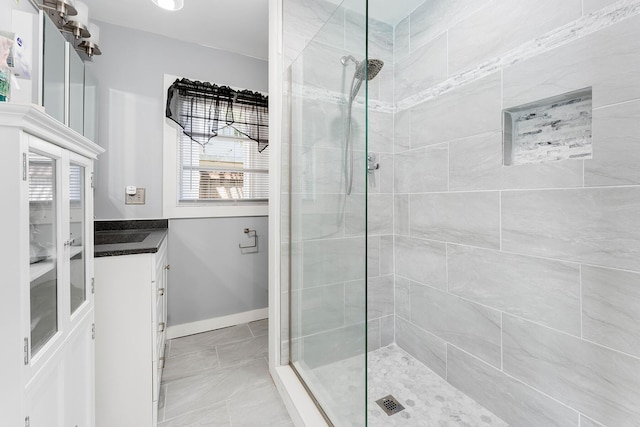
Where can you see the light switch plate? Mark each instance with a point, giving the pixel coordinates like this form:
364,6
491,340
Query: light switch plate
136,199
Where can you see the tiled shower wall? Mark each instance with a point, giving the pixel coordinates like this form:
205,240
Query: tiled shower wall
518,284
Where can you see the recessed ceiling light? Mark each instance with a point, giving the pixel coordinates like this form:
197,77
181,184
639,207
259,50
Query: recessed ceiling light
169,4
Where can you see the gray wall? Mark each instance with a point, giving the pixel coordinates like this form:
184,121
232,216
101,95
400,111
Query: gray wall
210,275
519,284
131,112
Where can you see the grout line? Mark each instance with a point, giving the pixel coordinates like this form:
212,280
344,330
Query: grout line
501,342
226,404
500,220
581,298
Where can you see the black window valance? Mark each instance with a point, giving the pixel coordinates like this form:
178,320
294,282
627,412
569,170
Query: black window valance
202,108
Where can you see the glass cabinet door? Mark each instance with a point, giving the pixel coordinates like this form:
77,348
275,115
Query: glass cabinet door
76,242
43,244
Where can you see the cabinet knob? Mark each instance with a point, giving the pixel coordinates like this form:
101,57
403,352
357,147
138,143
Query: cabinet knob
161,327
167,267
161,291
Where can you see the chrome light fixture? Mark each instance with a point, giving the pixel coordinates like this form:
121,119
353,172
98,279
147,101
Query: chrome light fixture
59,10
78,25
90,44
169,4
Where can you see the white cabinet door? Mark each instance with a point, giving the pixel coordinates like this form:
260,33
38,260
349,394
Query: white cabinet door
59,375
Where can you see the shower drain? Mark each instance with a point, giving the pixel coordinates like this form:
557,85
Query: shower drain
390,405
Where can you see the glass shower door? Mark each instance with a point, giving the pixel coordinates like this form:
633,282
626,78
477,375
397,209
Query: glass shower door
327,215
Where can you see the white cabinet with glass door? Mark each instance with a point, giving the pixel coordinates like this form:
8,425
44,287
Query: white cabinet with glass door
46,312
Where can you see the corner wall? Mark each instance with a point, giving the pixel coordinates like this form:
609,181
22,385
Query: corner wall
520,284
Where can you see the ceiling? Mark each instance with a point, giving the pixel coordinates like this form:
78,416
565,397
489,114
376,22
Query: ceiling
239,26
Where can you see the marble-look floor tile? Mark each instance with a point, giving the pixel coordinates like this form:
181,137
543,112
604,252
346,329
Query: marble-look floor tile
189,364
209,339
261,406
259,327
198,392
600,383
611,308
515,402
215,415
428,399
241,352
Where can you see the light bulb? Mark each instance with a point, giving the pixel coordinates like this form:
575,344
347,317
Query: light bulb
170,4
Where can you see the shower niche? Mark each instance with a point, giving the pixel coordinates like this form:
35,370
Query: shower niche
548,130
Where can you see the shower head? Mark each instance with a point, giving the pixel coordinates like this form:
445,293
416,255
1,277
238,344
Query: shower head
373,68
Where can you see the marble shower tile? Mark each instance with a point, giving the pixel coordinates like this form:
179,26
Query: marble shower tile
433,18
332,32
607,60
387,330
260,406
401,214
380,214
422,170
333,261
401,45
322,308
322,68
423,68
189,364
386,255
598,382
355,309
426,347
201,391
403,297
215,415
380,300
476,164
540,290
241,352
466,111
590,6
259,327
586,422
500,27
467,325
611,308
373,256
616,146
464,218
380,41
198,342
597,226
511,400
380,136
321,124
329,347
318,217
373,334
401,131
420,260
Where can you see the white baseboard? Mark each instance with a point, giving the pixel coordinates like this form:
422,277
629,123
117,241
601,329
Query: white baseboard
302,410
185,329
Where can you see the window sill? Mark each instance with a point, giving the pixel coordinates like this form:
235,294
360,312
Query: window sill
212,211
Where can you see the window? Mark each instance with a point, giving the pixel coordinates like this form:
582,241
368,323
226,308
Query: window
228,168
212,164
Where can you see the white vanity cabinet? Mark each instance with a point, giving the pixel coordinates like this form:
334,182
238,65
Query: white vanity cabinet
130,332
46,259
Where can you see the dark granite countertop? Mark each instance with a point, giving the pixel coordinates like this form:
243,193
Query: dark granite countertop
113,238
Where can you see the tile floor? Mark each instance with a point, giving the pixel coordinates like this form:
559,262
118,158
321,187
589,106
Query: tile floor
220,378
428,399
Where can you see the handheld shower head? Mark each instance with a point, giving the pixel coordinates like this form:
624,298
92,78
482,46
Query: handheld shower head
373,68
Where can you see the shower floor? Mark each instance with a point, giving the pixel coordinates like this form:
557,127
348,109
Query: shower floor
428,399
